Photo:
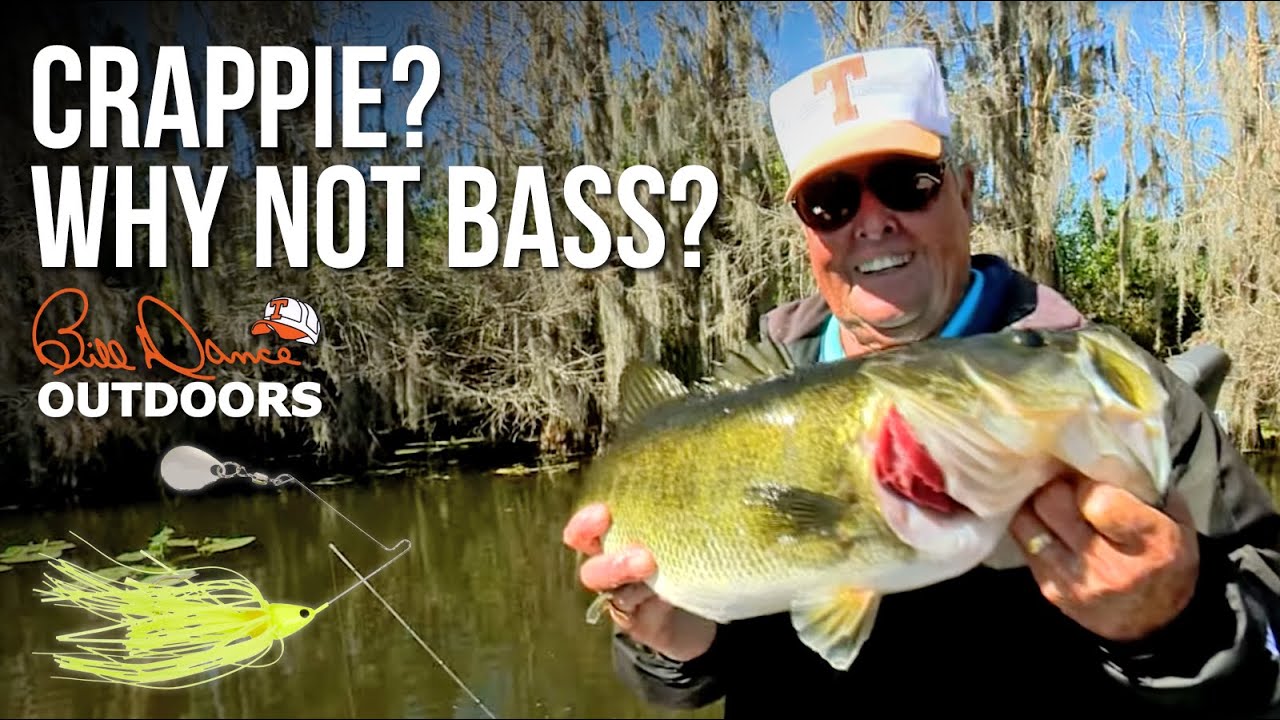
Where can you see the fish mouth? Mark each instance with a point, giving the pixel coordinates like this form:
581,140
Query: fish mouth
999,422
905,467
915,500
956,537
930,500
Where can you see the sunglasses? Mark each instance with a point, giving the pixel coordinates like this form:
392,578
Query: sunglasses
830,201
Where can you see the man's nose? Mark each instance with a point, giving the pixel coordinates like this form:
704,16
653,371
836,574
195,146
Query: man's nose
873,220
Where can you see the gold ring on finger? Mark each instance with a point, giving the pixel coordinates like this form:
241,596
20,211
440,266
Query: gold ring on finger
1037,544
619,611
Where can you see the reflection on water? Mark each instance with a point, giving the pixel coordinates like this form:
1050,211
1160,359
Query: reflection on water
488,585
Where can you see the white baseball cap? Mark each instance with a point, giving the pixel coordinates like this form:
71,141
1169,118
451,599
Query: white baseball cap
880,101
289,318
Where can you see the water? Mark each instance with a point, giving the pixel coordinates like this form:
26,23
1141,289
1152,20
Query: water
488,585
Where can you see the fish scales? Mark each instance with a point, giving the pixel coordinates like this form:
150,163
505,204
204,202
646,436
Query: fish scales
768,488
704,520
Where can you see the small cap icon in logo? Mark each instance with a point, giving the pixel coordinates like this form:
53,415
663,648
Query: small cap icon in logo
289,318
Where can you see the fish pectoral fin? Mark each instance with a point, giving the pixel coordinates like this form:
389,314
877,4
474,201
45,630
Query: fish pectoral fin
796,511
836,624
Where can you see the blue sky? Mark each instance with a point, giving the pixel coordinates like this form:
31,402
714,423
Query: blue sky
795,46
798,45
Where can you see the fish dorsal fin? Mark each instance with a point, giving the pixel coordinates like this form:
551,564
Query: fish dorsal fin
643,386
754,364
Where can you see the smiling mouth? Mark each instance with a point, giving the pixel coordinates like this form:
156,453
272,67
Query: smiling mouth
885,263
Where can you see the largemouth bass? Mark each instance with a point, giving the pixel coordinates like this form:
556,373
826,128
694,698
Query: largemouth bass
817,491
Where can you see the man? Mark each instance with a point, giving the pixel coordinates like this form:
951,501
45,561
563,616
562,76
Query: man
1116,607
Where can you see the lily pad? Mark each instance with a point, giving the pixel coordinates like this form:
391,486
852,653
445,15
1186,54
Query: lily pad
116,572
521,469
5,568
388,471
34,552
159,540
517,469
216,545
131,557
182,542
19,558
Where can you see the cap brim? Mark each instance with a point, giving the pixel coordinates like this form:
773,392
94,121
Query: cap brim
262,327
862,140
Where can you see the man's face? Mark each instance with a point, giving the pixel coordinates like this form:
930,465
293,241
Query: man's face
890,276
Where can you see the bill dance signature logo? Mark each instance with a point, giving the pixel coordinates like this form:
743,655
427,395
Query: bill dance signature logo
289,319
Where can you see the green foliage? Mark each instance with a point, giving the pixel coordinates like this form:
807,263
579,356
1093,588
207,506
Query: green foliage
134,562
34,551
1125,286
137,562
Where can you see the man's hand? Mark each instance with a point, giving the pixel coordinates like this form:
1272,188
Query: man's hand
636,611
1117,566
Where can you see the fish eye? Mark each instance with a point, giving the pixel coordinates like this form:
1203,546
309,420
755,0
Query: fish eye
1028,338
305,612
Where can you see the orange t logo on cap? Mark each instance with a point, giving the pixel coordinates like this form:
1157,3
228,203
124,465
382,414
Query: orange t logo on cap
837,76
275,307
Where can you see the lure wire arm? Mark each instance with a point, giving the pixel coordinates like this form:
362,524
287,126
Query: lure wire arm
357,583
230,470
225,470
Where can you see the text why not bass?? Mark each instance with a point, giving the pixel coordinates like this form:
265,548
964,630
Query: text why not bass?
70,202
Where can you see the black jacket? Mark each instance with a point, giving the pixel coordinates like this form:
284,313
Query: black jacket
988,641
